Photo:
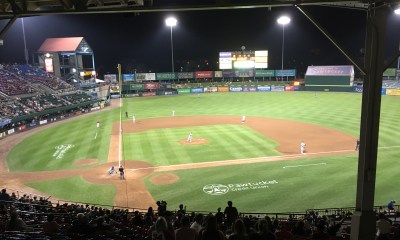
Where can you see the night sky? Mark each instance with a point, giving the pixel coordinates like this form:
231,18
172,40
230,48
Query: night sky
201,35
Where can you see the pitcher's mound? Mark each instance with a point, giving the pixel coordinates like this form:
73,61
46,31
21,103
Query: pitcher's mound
86,162
162,179
195,141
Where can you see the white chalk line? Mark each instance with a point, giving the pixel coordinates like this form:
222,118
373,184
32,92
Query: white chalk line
305,165
95,136
250,160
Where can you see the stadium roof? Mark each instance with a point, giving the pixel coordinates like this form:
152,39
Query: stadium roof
68,44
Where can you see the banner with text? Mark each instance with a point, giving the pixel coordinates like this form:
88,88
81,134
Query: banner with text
166,76
145,77
204,74
185,75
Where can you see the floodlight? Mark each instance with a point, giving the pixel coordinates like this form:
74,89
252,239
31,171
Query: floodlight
171,22
283,20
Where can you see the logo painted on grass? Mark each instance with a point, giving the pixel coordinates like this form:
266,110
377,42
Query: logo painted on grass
220,189
61,150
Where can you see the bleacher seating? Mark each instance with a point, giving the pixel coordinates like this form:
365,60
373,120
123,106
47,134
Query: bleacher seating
11,84
394,84
85,221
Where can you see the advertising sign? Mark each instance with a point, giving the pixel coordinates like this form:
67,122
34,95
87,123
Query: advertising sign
358,89
166,76
289,88
225,60
22,128
185,75
48,65
249,89
110,78
330,70
5,122
265,73
218,74
147,94
244,73
223,89
204,74
151,86
236,89
261,59
394,92
383,91
228,74
11,131
183,90
136,86
277,88
196,90
211,89
285,73
264,88
145,77
128,77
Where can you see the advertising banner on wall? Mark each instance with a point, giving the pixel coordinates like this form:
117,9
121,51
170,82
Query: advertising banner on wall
223,89
265,73
210,89
183,90
185,75
204,74
218,74
48,65
196,90
346,70
393,92
151,86
110,78
285,73
277,88
383,91
244,73
249,89
166,76
5,122
228,74
145,77
225,60
22,128
358,89
136,86
11,131
235,89
264,88
128,77
148,94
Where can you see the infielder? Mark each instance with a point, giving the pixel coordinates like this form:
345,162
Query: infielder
173,113
243,119
133,119
189,139
302,147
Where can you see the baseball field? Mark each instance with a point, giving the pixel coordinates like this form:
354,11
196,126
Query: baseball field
256,164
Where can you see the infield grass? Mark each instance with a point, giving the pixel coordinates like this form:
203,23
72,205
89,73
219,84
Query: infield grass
330,185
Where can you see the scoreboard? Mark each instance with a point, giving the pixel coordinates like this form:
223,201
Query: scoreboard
243,59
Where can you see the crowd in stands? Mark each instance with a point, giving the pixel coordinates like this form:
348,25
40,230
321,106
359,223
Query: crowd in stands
394,84
11,84
27,217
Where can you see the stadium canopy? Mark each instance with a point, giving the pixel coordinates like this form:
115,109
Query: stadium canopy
70,58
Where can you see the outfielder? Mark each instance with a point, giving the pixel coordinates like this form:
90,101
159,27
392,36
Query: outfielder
97,124
133,119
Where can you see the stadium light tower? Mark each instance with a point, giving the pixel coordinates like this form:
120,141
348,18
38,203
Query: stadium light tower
283,21
171,22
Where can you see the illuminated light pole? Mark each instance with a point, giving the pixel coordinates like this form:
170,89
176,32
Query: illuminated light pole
283,21
171,22
397,11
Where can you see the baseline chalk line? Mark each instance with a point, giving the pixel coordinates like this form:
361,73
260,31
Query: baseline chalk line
305,165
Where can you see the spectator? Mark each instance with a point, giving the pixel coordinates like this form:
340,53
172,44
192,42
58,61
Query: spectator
16,224
198,220
219,216
383,227
239,231
185,232
283,232
51,226
390,205
211,232
264,232
161,231
4,200
231,214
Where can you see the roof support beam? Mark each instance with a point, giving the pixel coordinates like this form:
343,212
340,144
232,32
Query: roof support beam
332,40
7,26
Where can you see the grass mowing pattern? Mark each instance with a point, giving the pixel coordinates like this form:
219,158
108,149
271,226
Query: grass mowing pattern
225,142
300,189
77,189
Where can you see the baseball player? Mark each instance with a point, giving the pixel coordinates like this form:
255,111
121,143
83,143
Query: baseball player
97,124
173,113
357,144
302,147
133,119
189,139
243,119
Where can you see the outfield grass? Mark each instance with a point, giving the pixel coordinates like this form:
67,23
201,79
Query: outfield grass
329,185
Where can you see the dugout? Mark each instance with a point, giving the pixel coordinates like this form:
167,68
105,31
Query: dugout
329,78
70,58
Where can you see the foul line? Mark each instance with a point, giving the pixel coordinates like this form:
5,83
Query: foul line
250,160
95,136
306,165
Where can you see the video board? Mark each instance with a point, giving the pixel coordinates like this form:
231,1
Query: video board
243,60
